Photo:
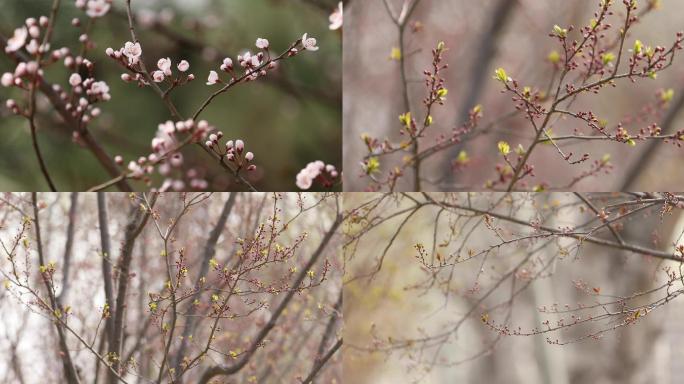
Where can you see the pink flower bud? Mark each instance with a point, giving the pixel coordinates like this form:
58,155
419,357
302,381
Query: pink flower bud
158,76
183,66
239,145
7,79
109,51
118,159
75,79
252,167
249,156
34,31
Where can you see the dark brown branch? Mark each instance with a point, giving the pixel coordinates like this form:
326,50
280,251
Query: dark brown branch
322,362
137,220
68,247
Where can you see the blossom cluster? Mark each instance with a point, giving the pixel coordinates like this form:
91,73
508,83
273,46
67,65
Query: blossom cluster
166,158
257,64
317,171
233,151
85,92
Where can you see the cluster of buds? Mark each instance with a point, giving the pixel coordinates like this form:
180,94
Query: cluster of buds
166,157
164,72
317,171
32,29
88,92
258,64
233,151
253,64
129,57
647,61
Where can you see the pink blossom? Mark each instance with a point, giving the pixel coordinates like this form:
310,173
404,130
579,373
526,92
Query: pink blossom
132,52
97,8
262,43
336,17
101,89
136,170
309,43
75,79
227,64
165,140
158,76
7,79
249,156
183,66
17,40
164,65
306,176
213,78
34,31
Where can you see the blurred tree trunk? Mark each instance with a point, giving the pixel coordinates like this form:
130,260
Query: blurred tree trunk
500,15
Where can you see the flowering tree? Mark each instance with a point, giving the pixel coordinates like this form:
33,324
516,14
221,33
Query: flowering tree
173,288
548,119
474,276
81,96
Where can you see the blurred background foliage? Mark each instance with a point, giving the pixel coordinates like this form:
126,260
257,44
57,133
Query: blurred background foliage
287,119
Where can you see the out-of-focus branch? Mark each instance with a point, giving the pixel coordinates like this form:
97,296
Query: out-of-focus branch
499,18
138,218
70,373
106,266
330,328
68,247
320,364
652,147
401,21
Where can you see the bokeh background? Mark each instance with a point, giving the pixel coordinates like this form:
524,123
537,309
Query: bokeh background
287,120
393,304
518,33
